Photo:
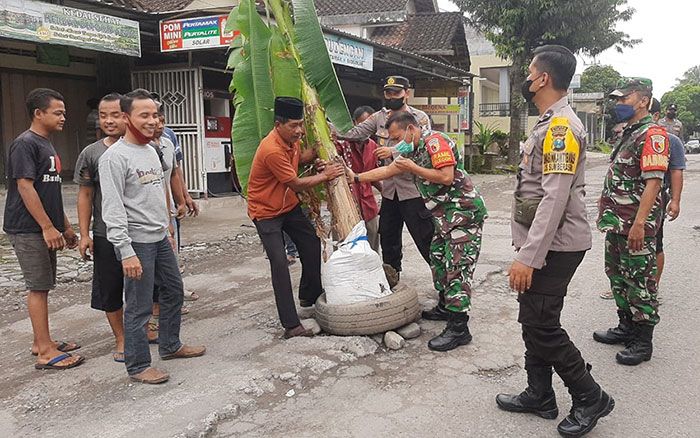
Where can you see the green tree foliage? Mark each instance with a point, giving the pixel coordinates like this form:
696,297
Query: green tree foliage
691,76
599,79
517,27
687,97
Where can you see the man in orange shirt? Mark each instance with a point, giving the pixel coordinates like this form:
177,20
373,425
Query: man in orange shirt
274,208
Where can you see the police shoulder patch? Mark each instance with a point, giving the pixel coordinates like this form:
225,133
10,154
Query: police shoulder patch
560,150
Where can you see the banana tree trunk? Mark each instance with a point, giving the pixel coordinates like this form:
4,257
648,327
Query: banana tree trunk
344,210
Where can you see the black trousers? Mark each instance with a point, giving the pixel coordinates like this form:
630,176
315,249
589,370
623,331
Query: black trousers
392,215
302,233
546,343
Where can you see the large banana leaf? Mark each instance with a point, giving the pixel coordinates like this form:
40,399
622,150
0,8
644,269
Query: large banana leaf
252,85
286,76
317,64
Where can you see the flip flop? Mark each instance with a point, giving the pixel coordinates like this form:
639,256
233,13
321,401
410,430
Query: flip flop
191,296
118,356
63,347
51,365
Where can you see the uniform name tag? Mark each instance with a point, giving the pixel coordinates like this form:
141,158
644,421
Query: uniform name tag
560,150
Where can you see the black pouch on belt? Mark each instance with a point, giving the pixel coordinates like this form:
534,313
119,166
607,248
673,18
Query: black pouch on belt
524,210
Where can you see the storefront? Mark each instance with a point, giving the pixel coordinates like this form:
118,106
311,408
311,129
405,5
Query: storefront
189,72
81,54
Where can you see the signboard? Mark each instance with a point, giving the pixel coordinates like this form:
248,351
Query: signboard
39,22
436,110
441,88
209,32
463,101
215,155
458,138
194,33
345,51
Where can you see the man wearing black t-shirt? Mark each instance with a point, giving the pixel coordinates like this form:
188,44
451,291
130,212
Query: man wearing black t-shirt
107,277
35,222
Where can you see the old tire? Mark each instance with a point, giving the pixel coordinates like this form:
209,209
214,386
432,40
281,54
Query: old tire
370,317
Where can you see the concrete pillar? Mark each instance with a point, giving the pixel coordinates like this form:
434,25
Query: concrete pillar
503,86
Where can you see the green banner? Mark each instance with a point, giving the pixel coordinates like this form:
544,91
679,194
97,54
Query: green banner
39,22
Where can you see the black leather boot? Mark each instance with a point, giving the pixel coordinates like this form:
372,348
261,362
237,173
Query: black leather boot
538,398
455,334
437,313
617,335
588,407
639,348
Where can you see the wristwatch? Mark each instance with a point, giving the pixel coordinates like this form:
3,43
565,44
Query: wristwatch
356,179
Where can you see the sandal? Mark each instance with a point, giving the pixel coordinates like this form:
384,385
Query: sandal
191,296
607,295
52,364
63,347
186,352
152,331
118,356
150,375
298,331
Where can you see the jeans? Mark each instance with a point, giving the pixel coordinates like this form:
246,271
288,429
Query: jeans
159,265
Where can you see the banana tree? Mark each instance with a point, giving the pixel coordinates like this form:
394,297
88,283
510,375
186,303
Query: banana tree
288,57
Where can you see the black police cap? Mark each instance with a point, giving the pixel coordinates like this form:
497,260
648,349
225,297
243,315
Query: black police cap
397,82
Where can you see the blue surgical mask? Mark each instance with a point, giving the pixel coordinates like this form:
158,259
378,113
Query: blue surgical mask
623,112
404,147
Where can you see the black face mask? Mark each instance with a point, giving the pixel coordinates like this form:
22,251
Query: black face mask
394,104
671,115
525,89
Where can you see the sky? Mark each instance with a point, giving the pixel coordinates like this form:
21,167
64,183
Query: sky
670,32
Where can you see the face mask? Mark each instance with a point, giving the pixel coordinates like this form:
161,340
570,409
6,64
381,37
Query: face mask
394,104
525,89
404,147
142,139
623,112
671,115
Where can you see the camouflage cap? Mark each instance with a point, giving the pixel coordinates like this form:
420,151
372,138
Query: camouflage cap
626,86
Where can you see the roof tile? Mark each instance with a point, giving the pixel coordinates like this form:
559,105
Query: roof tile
422,32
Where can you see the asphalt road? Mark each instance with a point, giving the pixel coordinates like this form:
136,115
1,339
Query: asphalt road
252,383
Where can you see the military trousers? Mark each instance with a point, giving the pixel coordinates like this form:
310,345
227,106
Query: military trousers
546,343
633,277
453,257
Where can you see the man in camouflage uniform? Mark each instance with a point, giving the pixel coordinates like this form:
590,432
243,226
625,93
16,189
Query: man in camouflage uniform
671,123
458,213
401,202
630,212
551,234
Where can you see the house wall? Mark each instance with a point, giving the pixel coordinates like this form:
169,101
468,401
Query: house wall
20,73
487,91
